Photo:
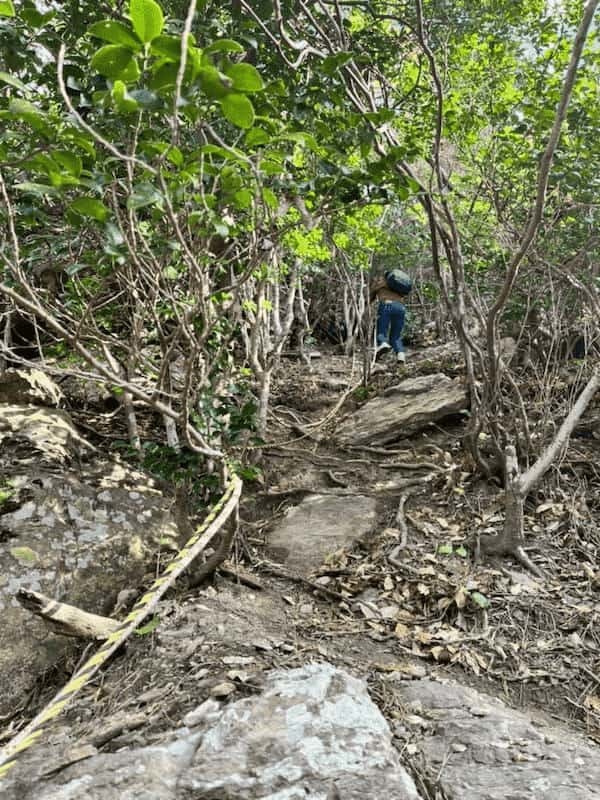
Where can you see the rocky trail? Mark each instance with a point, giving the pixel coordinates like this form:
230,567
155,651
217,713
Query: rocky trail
353,646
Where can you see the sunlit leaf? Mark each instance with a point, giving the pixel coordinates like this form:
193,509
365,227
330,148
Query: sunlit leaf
116,62
245,78
149,627
90,207
147,18
11,80
115,33
7,8
224,46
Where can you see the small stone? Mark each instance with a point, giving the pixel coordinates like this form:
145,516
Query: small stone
262,644
479,711
222,689
238,675
237,661
459,748
306,609
415,721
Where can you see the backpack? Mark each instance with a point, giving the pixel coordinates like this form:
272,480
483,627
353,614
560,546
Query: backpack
398,281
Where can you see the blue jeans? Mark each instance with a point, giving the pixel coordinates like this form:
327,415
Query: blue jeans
390,321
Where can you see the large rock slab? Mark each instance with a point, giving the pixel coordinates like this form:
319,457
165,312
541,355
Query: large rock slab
405,409
319,525
313,734
72,526
484,750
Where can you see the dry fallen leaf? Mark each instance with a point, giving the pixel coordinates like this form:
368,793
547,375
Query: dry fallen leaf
402,631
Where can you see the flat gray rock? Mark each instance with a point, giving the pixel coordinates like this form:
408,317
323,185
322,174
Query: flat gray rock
312,734
405,409
484,750
319,525
313,730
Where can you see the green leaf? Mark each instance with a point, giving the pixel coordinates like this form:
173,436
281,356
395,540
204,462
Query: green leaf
37,189
116,62
70,161
149,627
164,77
213,83
243,198
461,551
115,33
168,47
238,110
224,46
144,194
12,81
480,599
147,18
7,8
257,136
122,99
444,550
90,207
23,109
270,198
34,18
227,154
245,77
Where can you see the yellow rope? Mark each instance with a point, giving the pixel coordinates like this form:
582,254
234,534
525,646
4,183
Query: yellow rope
147,603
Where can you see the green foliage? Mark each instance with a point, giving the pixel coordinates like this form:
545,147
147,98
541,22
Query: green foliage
147,19
149,627
238,109
7,8
252,141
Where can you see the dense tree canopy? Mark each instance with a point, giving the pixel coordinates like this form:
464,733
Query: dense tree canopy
185,184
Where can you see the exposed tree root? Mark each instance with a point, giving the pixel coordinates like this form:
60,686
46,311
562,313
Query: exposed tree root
401,523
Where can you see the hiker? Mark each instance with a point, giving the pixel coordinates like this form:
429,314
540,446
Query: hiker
390,311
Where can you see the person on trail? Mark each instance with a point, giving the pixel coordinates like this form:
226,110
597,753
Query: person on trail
390,318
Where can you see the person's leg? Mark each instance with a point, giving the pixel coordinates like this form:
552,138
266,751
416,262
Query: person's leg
397,315
383,323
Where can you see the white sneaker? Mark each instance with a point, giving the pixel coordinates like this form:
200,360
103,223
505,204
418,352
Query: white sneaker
381,349
401,358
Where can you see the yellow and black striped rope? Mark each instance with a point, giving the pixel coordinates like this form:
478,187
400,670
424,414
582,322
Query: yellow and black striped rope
35,730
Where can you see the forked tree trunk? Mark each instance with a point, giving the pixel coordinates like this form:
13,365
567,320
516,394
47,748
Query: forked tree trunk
519,485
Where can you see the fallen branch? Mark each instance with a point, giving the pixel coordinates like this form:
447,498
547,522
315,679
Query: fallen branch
280,572
240,576
65,619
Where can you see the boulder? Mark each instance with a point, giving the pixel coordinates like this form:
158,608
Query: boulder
312,734
73,531
319,525
29,386
403,410
483,750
